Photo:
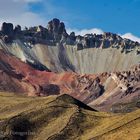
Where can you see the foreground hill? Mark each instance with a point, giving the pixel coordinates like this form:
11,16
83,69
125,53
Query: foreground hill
62,118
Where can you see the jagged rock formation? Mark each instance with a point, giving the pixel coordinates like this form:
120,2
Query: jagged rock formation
55,49
120,88
56,33
101,91
107,57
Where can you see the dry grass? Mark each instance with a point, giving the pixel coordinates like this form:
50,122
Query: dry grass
63,118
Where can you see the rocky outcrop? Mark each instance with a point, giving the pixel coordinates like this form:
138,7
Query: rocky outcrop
90,53
61,58
101,64
97,90
56,29
7,32
7,29
17,31
56,33
124,91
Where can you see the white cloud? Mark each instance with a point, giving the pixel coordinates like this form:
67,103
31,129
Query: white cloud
17,12
99,31
28,19
86,31
131,37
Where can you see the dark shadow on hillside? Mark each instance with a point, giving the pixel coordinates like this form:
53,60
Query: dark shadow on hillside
19,128
50,89
38,66
70,100
64,60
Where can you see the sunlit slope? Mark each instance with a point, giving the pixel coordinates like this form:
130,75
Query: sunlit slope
62,118
68,58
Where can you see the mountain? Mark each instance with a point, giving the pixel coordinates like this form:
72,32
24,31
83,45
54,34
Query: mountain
62,117
52,48
22,72
59,86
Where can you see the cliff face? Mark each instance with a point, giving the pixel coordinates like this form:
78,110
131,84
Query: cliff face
95,69
97,90
53,49
67,58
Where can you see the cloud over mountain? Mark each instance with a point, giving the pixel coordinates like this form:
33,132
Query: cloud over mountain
100,31
131,37
86,31
17,12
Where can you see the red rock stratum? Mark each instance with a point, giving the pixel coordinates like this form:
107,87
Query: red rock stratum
97,90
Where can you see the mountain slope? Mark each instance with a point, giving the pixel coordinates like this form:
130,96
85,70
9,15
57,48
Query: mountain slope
52,48
100,91
48,61
56,119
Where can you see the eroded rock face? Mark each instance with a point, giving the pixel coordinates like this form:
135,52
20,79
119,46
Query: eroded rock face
52,49
56,29
56,33
55,26
42,83
97,90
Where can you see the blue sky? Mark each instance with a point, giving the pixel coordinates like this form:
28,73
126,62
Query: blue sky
118,16
82,16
